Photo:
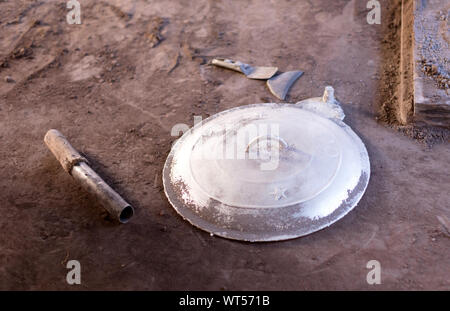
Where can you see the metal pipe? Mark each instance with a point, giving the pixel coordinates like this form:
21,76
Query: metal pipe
94,184
78,166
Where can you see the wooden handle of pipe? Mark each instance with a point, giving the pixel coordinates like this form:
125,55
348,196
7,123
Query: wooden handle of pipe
67,155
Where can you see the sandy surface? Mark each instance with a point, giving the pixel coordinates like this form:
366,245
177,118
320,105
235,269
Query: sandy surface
118,83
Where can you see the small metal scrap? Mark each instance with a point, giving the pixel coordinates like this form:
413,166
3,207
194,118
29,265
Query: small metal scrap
326,106
280,84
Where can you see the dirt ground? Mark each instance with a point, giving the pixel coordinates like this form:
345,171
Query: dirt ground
116,85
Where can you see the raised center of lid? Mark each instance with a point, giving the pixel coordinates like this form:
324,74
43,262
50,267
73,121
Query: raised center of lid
265,158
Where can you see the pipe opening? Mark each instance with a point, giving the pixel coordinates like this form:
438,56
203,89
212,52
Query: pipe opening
126,214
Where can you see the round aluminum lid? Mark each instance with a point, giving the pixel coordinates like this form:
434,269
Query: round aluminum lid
266,172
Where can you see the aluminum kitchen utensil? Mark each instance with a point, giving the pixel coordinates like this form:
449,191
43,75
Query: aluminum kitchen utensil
259,73
279,85
268,172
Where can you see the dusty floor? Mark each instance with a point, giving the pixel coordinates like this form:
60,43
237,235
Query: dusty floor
118,83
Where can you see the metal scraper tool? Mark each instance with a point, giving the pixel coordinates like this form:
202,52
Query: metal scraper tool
280,84
259,73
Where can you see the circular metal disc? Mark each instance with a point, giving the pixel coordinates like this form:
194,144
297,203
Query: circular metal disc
266,172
